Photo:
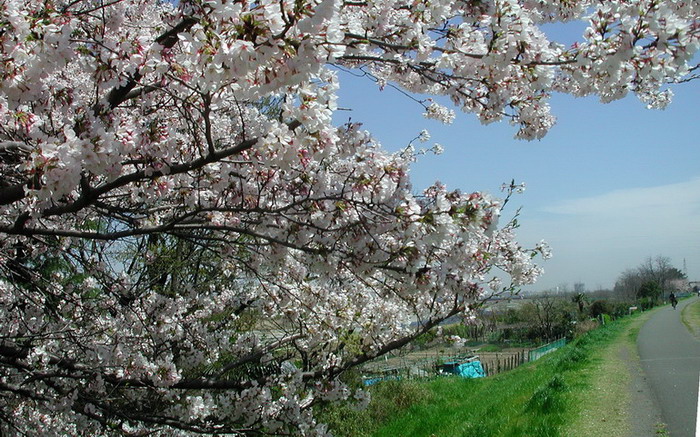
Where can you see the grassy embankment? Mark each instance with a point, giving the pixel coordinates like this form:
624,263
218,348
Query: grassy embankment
691,318
581,390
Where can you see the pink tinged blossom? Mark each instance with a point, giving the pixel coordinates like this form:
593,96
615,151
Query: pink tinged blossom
178,169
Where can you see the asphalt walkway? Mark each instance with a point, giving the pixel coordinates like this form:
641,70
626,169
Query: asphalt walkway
670,357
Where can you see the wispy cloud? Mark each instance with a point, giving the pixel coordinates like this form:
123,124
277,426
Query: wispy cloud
678,199
596,238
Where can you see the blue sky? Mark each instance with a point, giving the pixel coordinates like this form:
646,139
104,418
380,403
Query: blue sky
609,186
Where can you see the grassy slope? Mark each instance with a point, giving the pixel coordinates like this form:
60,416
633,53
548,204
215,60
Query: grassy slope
691,318
582,390
604,407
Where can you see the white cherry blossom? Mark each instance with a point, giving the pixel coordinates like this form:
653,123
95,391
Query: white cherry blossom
189,245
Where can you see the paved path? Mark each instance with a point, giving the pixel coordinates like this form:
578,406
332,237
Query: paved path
670,357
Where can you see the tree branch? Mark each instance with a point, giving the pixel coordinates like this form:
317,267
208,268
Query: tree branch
392,345
115,97
167,40
256,355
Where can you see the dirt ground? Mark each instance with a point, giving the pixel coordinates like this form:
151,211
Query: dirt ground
426,360
621,403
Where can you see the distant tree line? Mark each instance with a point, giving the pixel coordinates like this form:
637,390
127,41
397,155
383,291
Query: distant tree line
651,283
566,312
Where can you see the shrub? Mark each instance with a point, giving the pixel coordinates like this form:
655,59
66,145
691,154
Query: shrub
585,326
388,399
600,307
646,303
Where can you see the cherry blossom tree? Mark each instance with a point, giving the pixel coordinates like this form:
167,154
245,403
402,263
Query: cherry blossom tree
188,245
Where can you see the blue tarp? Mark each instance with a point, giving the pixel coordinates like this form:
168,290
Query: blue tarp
470,369
466,369
372,381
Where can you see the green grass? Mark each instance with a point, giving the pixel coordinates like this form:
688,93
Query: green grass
604,406
531,405
389,399
542,398
490,348
691,318
661,430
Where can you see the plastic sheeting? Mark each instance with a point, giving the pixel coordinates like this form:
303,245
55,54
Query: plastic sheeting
470,369
372,381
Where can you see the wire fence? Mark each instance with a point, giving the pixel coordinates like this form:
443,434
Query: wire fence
541,351
497,362
431,364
